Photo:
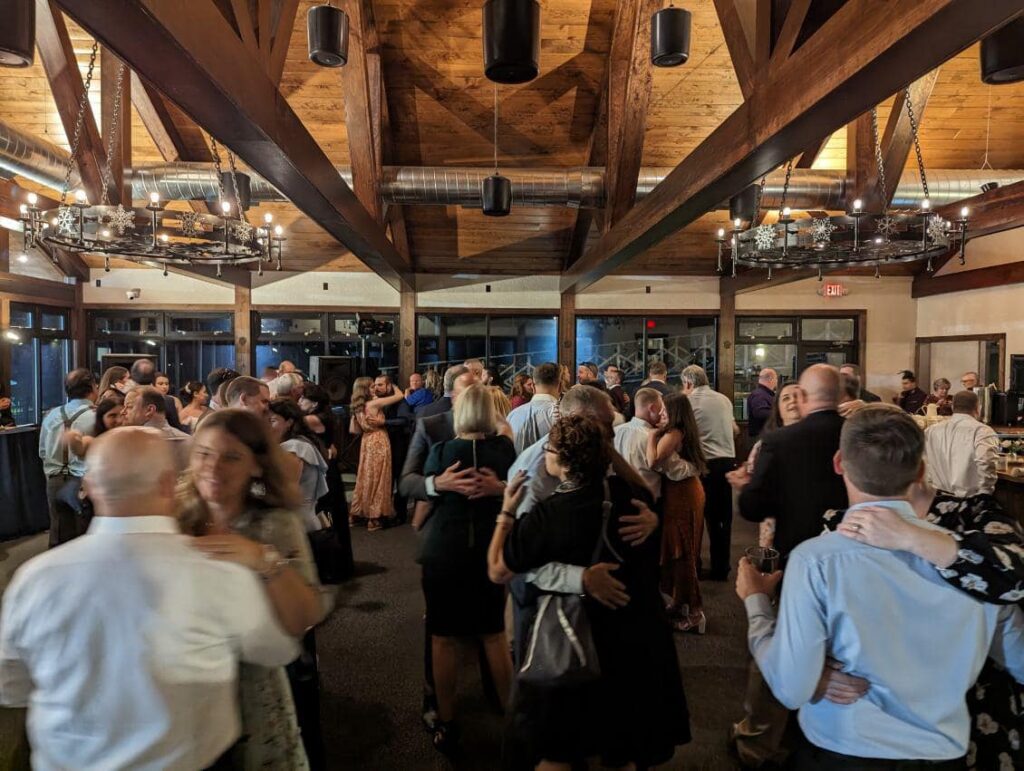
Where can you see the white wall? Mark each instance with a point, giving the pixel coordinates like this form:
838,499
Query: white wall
668,293
343,289
890,319
157,289
527,292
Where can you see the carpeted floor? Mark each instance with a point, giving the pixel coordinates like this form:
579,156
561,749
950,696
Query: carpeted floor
371,661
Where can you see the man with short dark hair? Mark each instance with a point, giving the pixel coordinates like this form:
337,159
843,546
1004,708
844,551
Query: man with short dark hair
531,421
586,374
143,373
63,469
849,394
631,438
911,399
218,377
854,371
145,406
657,378
962,451
248,393
928,633
620,399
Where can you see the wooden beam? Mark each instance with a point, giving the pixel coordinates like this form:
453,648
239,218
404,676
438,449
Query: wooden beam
791,27
992,212
246,26
861,166
187,50
753,279
69,263
79,329
37,288
157,120
61,66
567,330
362,108
5,250
121,157
898,138
282,39
725,361
736,41
629,93
243,329
406,336
863,52
997,275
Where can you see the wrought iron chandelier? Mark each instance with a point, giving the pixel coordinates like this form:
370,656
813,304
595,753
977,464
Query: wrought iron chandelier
154,235
856,239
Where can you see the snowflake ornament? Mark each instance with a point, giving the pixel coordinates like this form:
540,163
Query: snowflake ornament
121,219
764,237
938,230
886,227
822,230
242,231
66,220
190,224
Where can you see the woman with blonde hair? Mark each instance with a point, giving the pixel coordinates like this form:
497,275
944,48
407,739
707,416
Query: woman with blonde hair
461,601
372,499
434,383
502,407
235,498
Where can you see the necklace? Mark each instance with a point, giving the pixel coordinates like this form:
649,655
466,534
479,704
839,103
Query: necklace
568,486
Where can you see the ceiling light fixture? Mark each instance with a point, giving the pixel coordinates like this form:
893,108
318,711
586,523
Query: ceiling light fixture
670,37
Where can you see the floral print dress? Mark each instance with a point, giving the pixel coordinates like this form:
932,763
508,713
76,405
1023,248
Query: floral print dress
990,567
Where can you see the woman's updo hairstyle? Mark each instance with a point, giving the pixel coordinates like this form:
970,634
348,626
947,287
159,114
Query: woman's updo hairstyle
581,447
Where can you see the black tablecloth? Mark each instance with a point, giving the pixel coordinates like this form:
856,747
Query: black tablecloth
23,509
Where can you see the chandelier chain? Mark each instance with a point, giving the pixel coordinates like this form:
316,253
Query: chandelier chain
115,133
234,184
76,137
218,168
917,140
882,187
760,196
785,185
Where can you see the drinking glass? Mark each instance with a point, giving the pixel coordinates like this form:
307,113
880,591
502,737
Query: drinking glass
764,558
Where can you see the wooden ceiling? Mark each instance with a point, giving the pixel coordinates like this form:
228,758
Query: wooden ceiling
440,107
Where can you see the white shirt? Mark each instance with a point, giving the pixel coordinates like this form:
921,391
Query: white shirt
961,456
631,444
713,412
51,433
181,443
124,644
532,421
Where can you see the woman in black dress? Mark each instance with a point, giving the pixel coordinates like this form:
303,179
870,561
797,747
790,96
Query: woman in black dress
635,712
987,562
461,600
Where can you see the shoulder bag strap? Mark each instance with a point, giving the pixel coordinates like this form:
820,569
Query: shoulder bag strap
602,538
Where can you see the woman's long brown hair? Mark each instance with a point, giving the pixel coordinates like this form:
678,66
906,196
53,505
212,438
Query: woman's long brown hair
281,491
680,418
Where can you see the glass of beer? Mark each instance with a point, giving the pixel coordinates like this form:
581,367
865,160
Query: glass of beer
764,558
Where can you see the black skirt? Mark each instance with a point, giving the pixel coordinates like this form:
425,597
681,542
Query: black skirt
463,603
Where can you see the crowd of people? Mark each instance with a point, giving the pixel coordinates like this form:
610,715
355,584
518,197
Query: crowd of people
212,519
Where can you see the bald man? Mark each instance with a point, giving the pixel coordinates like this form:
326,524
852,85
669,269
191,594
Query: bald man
125,643
760,401
794,480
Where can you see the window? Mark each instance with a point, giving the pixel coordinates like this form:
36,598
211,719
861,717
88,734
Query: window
187,345
40,358
634,343
510,344
789,345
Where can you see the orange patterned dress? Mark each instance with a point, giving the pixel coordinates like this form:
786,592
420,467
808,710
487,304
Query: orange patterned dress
372,499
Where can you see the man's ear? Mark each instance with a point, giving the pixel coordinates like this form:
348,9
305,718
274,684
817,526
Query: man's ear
837,463
920,472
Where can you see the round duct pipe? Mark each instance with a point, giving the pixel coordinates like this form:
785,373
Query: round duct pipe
327,35
670,37
511,40
1002,54
17,33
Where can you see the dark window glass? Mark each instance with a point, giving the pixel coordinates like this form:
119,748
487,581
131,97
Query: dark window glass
465,338
841,330
194,359
126,325
751,358
765,329
24,380
53,321
291,325
272,354
520,343
217,325
55,363
679,341
617,340
22,316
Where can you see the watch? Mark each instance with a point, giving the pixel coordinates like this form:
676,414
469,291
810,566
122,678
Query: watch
272,564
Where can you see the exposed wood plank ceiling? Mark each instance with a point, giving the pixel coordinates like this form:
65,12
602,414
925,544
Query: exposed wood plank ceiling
440,114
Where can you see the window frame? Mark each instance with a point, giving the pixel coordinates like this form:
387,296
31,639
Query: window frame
37,337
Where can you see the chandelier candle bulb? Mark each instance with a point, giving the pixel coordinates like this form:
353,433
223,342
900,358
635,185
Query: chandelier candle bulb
964,212
926,205
33,199
23,209
154,198
278,231
225,207
858,205
268,218
80,196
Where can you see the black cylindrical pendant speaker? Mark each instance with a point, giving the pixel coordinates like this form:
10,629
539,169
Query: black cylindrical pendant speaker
670,37
244,189
741,205
17,32
1002,54
327,35
511,40
497,196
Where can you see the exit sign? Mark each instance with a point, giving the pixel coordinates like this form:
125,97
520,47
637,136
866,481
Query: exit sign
833,289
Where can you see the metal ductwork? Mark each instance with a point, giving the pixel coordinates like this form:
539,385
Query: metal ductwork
26,156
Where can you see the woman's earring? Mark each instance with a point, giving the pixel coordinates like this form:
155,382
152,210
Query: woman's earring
257,489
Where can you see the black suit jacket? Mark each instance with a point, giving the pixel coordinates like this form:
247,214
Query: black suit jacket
794,481
869,397
429,431
442,405
172,413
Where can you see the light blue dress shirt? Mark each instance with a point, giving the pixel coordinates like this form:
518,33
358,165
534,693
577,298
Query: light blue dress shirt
52,430
889,618
531,422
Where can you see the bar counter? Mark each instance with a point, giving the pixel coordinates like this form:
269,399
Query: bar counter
23,509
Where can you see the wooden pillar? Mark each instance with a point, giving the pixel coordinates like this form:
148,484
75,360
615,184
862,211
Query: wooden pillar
726,363
567,331
121,157
5,345
5,250
79,329
243,329
406,336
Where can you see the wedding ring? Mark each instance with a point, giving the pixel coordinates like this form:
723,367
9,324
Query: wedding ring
855,526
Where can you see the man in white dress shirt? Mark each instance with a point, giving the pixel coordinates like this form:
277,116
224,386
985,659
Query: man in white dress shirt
533,420
961,452
124,644
631,438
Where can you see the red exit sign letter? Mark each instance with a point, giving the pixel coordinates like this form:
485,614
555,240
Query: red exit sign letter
832,289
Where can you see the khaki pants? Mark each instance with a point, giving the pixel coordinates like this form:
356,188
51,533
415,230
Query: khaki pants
64,522
767,731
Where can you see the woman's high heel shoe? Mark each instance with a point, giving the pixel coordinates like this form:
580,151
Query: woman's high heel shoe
445,737
697,624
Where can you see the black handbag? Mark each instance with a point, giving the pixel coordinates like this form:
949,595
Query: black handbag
333,560
561,648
